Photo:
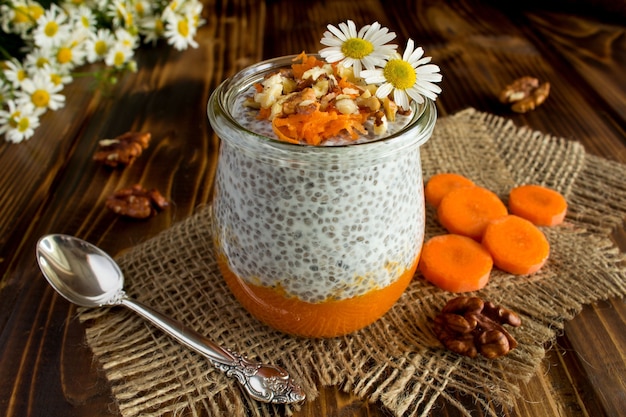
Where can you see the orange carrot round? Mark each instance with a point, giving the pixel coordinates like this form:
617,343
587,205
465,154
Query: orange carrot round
541,205
467,211
455,263
441,184
516,245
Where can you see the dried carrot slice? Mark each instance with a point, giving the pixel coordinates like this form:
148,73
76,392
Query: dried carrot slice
467,211
441,184
541,205
455,263
516,245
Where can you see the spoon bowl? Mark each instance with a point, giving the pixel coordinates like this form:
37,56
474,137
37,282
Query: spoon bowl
81,272
87,276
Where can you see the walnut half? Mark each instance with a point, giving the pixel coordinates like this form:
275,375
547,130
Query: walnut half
122,150
137,202
525,94
469,326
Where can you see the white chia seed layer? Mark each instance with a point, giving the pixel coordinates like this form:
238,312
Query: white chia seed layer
319,234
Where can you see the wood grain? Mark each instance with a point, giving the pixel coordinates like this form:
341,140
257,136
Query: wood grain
50,184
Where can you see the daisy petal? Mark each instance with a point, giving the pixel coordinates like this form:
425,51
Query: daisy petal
337,32
401,98
384,90
415,95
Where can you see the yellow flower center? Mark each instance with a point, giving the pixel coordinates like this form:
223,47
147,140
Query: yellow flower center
51,29
21,15
56,79
400,74
13,120
23,124
84,21
100,47
139,8
118,59
64,55
183,28
35,11
21,75
40,98
158,27
42,62
357,48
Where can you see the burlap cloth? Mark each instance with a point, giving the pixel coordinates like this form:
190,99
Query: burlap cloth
397,360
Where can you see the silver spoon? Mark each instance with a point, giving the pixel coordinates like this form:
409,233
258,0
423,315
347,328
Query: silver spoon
85,275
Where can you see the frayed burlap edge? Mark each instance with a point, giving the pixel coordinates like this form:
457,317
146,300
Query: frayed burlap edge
397,360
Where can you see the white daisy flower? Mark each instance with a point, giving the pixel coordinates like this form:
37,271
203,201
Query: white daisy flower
18,122
142,8
41,92
99,44
83,19
409,77
174,7
193,9
60,77
118,56
51,28
20,16
37,59
180,31
14,72
121,14
152,29
368,48
70,53
125,38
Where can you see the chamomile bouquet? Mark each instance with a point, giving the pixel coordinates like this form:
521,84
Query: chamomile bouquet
44,44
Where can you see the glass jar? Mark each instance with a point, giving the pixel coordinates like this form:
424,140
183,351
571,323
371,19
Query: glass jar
315,241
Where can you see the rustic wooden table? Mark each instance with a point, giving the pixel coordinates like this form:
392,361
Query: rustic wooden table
50,183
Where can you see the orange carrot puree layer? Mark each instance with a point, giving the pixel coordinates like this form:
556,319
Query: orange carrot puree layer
327,319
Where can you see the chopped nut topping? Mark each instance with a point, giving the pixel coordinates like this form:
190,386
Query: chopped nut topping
525,94
469,325
122,150
137,202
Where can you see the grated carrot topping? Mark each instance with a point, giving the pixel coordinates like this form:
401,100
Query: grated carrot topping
307,63
315,127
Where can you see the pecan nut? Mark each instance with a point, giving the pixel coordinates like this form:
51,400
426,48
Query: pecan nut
137,202
469,326
525,94
122,150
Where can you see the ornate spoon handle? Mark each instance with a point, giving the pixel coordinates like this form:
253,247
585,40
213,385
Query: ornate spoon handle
266,383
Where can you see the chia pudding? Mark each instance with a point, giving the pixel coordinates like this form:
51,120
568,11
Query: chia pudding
307,226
